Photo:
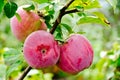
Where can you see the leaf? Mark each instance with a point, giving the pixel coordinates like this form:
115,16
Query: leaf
93,4
1,5
113,3
59,35
41,6
11,55
48,76
102,17
92,19
18,17
2,71
69,29
81,14
81,32
118,4
79,7
12,68
100,64
87,4
41,1
13,58
10,9
31,7
118,62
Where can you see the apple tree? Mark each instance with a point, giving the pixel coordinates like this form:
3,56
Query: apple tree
45,40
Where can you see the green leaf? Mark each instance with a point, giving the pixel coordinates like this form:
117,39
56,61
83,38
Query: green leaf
11,55
48,76
93,4
1,5
18,17
13,68
79,7
13,58
102,17
92,19
10,9
118,4
113,3
87,4
41,1
100,64
2,71
81,32
51,12
31,7
118,62
59,35
81,14
41,6
69,29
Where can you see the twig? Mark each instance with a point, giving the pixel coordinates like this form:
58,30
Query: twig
61,14
73,11
63,11
25,72
67,5
57,21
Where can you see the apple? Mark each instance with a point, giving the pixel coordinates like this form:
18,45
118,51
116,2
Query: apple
41,50
76,54
28,23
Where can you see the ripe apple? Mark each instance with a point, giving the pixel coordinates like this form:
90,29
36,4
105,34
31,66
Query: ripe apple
76,54
28,23
41,50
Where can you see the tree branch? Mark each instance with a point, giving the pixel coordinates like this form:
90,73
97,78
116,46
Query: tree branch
61,14
73,11
25,73
57,21
67,5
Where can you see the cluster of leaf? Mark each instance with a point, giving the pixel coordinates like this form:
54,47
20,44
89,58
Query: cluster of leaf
109,64
87,14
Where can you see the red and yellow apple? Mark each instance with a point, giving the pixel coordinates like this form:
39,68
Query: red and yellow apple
41,50
76,54
28,23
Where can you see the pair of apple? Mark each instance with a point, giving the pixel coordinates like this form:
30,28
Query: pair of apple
41,50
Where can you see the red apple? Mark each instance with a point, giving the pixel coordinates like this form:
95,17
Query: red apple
41,50
29,22
76,54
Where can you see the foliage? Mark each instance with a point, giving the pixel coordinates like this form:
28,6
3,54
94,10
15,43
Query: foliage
105,41
10,9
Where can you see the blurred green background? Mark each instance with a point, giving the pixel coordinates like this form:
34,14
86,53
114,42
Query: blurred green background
105,41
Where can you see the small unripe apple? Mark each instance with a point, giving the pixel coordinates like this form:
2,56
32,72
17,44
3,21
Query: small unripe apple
76,54
28,23
41,50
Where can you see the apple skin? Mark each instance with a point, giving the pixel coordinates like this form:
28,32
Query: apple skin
29,23
41,50
75,55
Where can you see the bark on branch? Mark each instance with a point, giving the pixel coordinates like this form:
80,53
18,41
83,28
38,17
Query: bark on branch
61,14
25,73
